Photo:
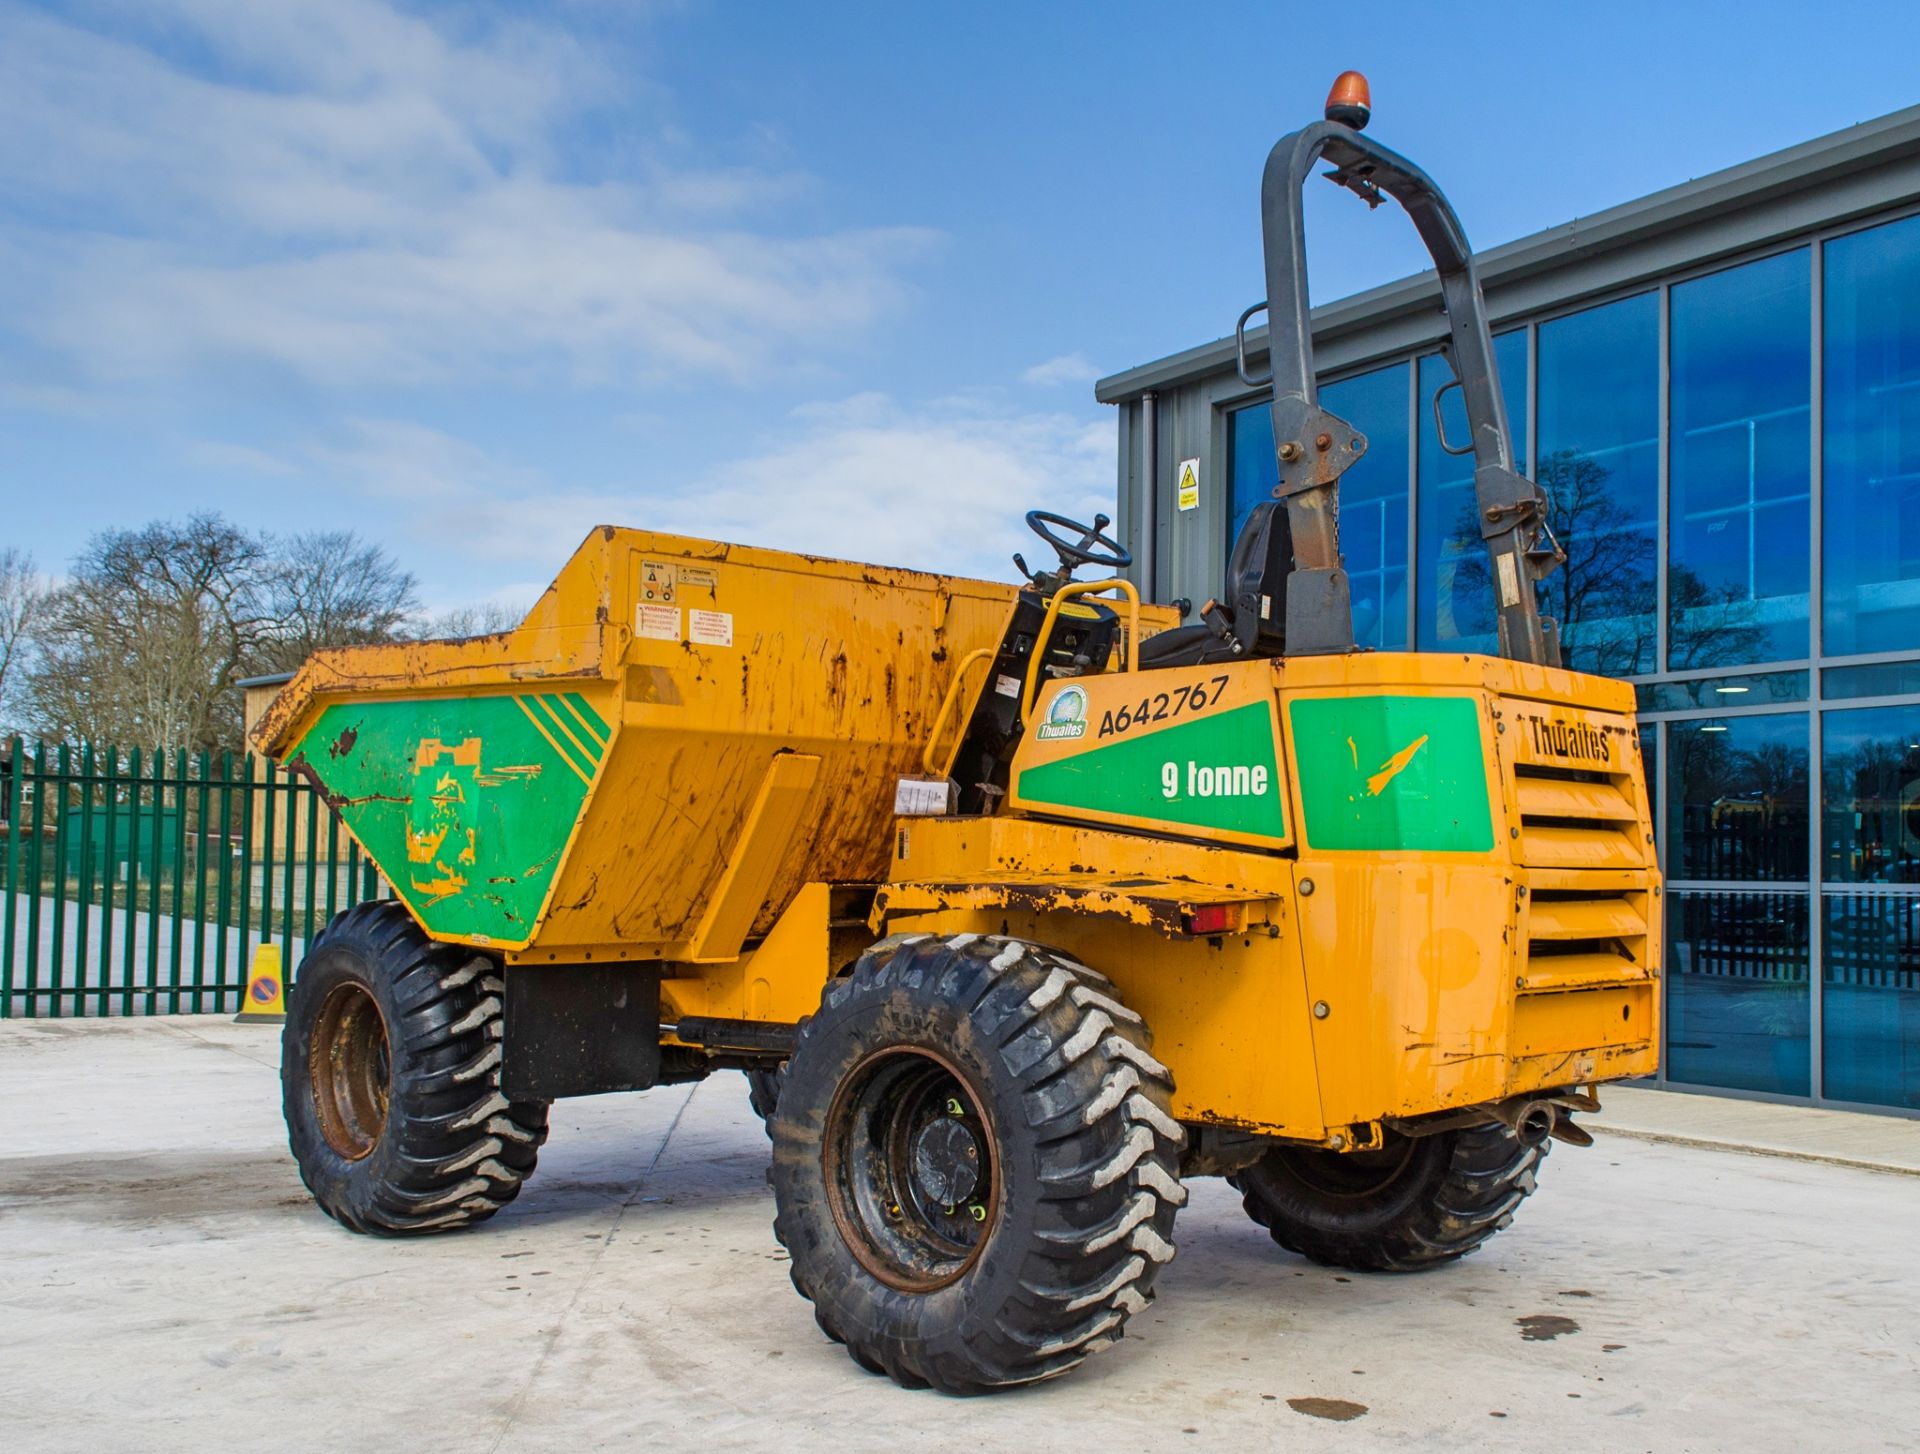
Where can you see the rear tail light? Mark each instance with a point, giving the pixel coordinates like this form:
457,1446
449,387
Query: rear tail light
1214,919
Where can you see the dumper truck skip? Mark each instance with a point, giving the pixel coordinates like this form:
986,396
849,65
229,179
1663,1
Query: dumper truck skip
1018,906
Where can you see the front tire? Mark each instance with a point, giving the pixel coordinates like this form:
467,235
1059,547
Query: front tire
390,1079
1415,1203
975,1164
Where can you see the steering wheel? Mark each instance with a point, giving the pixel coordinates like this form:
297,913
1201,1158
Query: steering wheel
1114,557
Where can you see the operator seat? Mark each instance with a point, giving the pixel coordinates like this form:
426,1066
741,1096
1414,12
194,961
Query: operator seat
1252,620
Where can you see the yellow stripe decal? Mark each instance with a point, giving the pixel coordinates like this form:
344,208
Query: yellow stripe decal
521,703
599,741
580,747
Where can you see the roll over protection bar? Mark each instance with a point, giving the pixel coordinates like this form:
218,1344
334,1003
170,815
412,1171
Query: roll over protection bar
1314,447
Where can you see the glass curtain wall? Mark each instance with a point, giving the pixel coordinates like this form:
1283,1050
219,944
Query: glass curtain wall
1719,451
1373,494
1455,606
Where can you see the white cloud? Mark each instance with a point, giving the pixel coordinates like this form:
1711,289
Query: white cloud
942,488
223,454
1066,368
364,198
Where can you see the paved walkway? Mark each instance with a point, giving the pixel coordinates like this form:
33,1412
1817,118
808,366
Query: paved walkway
1649,1296
1806,1133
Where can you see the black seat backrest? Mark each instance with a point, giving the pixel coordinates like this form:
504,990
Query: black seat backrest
1257,580
1252,620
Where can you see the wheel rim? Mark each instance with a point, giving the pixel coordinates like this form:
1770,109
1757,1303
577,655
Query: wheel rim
911,1167
1353,1175
350,1071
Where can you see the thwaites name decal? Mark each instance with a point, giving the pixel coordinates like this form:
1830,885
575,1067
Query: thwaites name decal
1576,741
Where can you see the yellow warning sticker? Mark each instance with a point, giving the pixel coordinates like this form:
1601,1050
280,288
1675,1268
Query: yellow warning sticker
699,578
659,581
1189,478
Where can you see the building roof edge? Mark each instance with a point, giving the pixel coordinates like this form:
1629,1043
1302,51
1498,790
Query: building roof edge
1793,169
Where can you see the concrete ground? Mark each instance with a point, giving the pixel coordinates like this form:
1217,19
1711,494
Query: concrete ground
165,1284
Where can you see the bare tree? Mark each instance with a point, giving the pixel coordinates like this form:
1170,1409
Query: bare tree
331,588
145,642
482,620
23,601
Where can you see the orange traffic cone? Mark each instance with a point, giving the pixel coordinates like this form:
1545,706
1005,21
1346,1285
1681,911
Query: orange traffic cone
265,1002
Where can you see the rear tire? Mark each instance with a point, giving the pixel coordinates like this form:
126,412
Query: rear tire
1416,1203
975,1166
390,1079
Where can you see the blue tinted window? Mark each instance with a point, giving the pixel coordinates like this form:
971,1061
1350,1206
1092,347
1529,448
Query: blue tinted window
1373,495
1738,472
1871,790
1737,799
1737,993
1871,965
1456,599
1871,448
1251,464
1599,409
1373,504
1870,998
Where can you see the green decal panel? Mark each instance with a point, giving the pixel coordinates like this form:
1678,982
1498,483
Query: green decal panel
1382,773
1216,772
465,804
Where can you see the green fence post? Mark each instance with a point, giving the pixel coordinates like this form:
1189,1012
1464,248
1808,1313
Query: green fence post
291,846
57,968
179,878
200,881
226,883
309,802
39,876
16,762
249,787
83,904
333,857
157,880
269,820
129,926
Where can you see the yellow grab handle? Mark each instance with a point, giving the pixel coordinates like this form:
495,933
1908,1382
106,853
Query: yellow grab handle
928,758
1060,598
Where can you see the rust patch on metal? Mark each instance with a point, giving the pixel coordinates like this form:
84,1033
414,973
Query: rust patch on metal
343,744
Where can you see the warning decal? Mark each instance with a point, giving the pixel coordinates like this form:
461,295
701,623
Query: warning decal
710,628
1189,478
658,623
659,580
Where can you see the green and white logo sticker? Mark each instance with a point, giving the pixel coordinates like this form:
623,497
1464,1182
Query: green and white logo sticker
1067,717
1212,772
1392,773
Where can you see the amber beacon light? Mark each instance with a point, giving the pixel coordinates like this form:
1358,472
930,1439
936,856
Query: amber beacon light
1350,102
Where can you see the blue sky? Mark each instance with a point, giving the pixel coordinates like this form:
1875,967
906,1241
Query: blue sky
471,279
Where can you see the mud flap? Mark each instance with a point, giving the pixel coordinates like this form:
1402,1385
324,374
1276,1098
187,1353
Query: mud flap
580,1030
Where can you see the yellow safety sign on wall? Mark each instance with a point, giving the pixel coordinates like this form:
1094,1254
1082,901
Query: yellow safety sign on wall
1189,478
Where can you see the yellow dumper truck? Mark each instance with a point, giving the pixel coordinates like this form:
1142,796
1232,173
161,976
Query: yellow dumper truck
1019,906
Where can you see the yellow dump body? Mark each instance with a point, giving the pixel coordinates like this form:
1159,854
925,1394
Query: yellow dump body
679,736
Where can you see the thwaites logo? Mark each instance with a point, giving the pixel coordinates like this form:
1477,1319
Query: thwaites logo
1067,717
1576,741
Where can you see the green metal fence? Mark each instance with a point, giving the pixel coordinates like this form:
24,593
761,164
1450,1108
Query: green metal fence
143,884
